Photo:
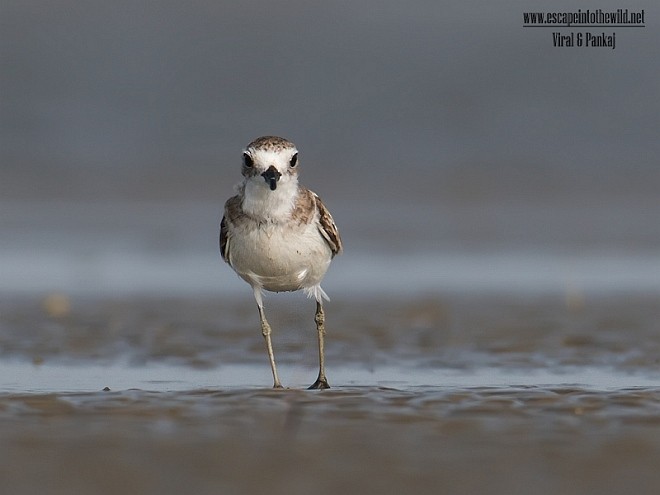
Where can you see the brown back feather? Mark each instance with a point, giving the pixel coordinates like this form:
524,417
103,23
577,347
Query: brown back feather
232,212
328,227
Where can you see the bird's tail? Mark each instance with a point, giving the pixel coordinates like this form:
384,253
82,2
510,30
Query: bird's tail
316,292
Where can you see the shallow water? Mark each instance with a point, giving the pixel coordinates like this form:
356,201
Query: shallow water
21,377
109,248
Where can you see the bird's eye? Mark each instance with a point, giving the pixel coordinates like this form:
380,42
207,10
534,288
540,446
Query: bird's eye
247,161
294,160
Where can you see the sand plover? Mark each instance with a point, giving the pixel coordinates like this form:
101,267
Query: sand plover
278,235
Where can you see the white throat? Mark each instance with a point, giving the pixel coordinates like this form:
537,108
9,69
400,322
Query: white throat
274,206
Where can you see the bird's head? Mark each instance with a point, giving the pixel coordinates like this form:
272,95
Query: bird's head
271,161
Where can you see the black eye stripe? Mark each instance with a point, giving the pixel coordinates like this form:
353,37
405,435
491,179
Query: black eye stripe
247,160
294,160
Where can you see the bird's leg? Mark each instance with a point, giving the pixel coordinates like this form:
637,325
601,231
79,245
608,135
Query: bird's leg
321,382
266,331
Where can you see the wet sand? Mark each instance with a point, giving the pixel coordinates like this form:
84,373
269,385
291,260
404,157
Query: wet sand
452,330
359,440
451,393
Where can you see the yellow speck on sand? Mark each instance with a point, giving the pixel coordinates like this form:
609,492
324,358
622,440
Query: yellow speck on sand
56,305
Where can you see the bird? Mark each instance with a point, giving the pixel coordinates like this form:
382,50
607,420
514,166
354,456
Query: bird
278,235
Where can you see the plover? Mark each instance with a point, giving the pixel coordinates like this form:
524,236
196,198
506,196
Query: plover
278,236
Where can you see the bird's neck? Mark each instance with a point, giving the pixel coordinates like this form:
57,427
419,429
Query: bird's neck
266,205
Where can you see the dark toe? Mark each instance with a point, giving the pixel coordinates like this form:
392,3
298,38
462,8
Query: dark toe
319,384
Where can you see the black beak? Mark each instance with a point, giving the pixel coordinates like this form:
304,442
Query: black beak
272,175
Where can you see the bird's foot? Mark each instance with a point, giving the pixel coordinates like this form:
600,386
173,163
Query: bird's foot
320,384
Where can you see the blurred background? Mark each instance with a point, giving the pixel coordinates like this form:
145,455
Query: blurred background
444,131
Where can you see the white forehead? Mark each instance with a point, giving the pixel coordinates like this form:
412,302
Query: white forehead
270,156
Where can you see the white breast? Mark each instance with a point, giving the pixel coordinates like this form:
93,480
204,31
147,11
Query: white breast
279,257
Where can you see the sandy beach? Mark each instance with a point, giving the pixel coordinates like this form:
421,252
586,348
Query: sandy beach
461,394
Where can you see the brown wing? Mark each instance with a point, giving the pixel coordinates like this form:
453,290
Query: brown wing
327,227
224,238
232,211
